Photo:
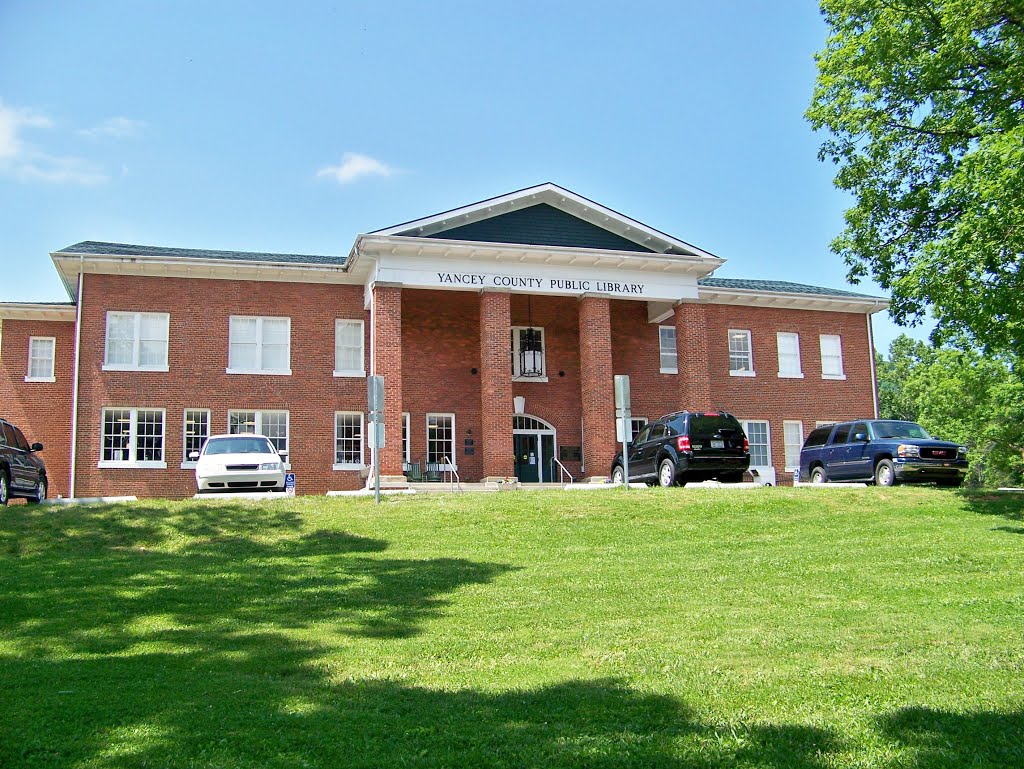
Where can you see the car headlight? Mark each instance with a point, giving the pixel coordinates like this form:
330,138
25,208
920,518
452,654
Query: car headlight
962,452
270,466
908,450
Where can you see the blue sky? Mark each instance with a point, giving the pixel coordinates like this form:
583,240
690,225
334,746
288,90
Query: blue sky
294,127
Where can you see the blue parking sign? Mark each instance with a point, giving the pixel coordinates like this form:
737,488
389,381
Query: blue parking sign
289,484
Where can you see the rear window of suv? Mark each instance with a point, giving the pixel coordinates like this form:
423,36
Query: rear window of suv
818,437
706,426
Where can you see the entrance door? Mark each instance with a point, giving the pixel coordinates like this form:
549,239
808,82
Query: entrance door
527,459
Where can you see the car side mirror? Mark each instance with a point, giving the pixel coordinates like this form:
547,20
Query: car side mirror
193,455
36,447
863,437
282,454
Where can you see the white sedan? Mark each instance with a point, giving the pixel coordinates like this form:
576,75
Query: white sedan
239,463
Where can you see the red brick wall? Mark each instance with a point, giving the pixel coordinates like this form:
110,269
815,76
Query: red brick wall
387,310
197,359
42,410
597,385
496,386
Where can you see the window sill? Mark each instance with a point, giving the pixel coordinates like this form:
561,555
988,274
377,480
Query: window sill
529,378
670,371
742,373
790,376
348,466
116,367
40,379
360,374
107,465
188,465
262,372
837,377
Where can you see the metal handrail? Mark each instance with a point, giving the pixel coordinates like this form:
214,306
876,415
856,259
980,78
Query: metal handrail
454,472
562,469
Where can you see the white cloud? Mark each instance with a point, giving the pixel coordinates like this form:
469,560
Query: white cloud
26,162
116,128
354,166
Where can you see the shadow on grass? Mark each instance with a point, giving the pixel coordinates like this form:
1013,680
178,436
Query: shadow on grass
940,740
1008,505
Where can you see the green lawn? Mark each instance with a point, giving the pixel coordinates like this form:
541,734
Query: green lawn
682,628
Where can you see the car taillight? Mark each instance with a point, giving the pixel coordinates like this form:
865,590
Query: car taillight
683,443
746,444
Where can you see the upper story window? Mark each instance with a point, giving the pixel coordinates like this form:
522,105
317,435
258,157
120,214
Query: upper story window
741,358
832,357
348,348
259,345
132,438
136,341
528,354
667,344
40,359
789,355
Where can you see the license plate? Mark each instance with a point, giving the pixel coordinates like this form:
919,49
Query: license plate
718,444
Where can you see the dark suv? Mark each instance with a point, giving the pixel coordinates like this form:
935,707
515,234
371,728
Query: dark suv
882,451
687,446
22,473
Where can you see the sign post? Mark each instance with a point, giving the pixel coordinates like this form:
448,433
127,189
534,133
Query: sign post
623,417
375,405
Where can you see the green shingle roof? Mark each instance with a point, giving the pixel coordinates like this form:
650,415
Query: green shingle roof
126,249
777,286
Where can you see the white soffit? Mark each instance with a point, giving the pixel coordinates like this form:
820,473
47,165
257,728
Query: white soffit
34,311
793,301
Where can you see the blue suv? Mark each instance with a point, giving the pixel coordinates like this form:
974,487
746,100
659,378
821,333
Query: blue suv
881,451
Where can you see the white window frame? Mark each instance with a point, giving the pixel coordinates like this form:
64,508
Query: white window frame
663,353
792,449
136,342
258,426
259,346
451,454
839,345
636,426
784,372
768,438
133,440
406,438
361,442
187,463
29,376
749,351
516,342
350,372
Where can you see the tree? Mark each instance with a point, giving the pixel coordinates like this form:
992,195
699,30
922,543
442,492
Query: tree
924,100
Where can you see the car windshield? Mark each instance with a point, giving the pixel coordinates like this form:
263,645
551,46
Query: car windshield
243,444
888,429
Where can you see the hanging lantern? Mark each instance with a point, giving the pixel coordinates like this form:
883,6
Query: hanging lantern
531,347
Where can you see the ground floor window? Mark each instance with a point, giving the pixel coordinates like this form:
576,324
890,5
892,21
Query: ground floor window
273,424
406,448
760,446
636,426
132,437
348,440
794,434
197,430
440,438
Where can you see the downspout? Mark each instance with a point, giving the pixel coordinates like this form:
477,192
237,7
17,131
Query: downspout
874,378
373,364
74,391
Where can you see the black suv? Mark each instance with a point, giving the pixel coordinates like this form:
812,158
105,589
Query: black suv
687,446
22,473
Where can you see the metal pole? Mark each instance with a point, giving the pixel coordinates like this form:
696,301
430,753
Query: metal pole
376,462
625,452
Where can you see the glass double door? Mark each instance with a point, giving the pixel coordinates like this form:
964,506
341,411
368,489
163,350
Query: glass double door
534,457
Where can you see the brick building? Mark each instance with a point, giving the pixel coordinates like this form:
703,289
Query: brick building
497,326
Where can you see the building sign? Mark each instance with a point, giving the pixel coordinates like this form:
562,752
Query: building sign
539,284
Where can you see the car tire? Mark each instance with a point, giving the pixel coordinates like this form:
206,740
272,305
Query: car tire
618,475
885,473
667,473
5,488
40,492
818,475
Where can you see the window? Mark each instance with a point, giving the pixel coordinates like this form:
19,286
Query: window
789,355
440,438
794,436
40,359
406,448
136,341
741,361
348,348
831,357
197,430
133,438
348,440
636,425
667,343
259,345
273,424
528,354
760,448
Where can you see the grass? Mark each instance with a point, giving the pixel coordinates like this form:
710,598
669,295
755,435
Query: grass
770,628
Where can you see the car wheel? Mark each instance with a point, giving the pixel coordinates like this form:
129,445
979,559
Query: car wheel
667,473
5,491
40,492
885,475
618,476
818,475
